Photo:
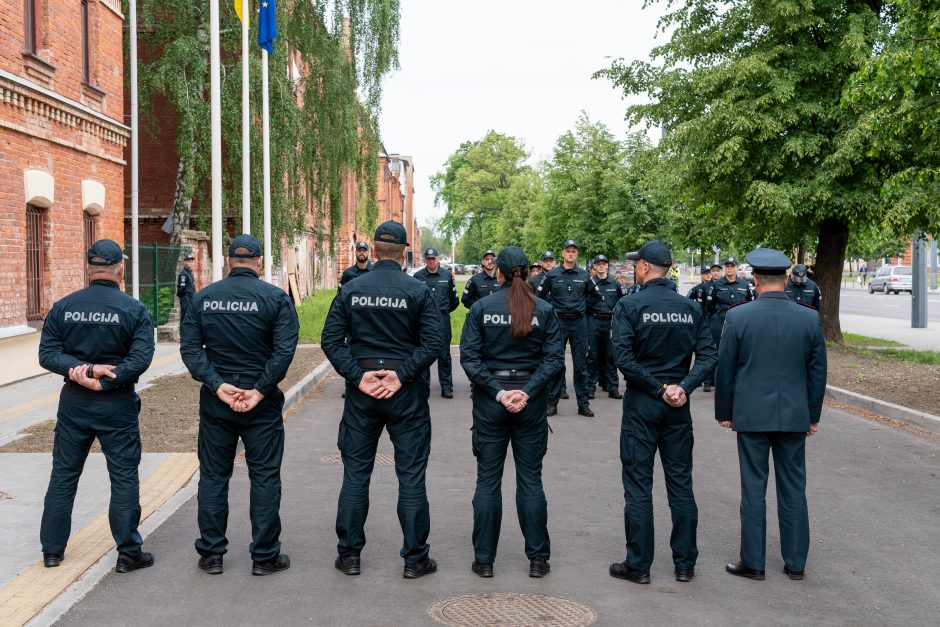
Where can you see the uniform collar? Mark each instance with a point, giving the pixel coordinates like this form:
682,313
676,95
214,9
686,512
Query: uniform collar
659,281
386,264
105,283
487,277
775,294
243,272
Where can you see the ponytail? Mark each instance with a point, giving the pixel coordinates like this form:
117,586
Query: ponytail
521,302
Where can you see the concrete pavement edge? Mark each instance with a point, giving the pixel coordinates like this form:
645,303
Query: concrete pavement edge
906,415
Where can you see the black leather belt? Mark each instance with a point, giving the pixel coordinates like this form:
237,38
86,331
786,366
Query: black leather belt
570,316
240,380
511,374
379,364
598,316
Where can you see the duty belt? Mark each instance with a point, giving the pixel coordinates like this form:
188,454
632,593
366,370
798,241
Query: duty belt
603,316
511,374
239,380
570,316
379,364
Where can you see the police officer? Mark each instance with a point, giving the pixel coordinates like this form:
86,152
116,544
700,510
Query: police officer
716,271
393,326
547,263
600,308
655,334
727,291
440,281
700,291
359,268
238,340
483,283
793,374
802,289
101,341
511,349
186,285
568,286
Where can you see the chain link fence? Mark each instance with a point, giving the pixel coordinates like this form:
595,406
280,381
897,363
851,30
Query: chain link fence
158,269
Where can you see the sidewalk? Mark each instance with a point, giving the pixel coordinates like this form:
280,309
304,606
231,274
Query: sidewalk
892,329
35,400
854,465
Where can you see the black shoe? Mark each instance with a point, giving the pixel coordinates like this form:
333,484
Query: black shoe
350,564
685,574
447,393
586,411
741,570
796,575
344,394
614,394
620,570
281,562
126,563
552,410
591,395
51,560
482,569
539,567
706,388
564,396
413,571
212,564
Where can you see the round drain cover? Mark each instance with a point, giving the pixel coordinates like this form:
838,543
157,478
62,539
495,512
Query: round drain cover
381,459
507,608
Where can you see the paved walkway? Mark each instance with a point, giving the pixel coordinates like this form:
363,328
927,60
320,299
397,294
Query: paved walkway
874,502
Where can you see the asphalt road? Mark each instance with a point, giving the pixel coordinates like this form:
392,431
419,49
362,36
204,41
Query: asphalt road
874,497
878,305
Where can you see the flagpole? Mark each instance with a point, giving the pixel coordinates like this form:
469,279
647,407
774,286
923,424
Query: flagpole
266,149
135,190
246,138
215,114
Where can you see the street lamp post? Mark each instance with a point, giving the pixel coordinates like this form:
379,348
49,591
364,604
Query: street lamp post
919,281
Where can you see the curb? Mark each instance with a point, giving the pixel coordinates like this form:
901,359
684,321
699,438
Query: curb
906,415
312,380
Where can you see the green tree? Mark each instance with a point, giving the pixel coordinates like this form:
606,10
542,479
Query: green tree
749,94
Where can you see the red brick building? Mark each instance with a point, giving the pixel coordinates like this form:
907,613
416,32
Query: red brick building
62,139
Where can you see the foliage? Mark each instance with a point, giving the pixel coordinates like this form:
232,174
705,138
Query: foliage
312,315
430,238
323,124
898,96
875,242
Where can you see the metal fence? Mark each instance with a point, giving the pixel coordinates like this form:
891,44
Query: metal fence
158,269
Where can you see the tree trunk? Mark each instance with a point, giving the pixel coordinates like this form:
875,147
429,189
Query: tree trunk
800,253
830,258
182,205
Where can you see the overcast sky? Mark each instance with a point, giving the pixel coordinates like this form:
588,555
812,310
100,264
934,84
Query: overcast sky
520,67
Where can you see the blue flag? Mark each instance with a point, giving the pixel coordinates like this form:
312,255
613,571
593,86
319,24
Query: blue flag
267,25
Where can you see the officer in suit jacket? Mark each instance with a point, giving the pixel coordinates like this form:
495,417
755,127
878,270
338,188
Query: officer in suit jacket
770,384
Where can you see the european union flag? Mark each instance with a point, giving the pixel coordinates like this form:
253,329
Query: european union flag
267,25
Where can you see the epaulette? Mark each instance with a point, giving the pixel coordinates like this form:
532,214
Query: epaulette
743,302
807,305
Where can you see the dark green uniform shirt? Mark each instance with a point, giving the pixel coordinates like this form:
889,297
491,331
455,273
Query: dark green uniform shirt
479,286
568,288
808,293
442,286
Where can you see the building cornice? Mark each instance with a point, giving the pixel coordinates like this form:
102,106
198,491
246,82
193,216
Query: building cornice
114,5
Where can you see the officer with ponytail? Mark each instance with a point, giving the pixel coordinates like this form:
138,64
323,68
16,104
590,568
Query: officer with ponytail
511,349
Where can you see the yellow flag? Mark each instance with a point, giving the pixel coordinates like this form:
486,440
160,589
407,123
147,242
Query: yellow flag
238,9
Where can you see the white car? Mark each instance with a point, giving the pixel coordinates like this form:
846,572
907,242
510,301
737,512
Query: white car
889,279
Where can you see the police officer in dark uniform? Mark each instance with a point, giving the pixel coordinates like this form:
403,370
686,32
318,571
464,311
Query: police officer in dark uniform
238,340
700,291
802,289
655,334
600,308
186,285
568,286
101,341
359,268
483,283
511,349
793,374
440,280
393,326
726,292
546,262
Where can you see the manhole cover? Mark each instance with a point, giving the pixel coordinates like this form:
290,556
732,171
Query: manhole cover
381,459
507,608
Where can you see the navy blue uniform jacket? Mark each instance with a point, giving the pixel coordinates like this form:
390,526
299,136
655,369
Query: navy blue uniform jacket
771,366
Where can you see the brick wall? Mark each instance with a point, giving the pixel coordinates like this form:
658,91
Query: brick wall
53,135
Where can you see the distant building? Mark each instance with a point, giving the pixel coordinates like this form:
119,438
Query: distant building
62,139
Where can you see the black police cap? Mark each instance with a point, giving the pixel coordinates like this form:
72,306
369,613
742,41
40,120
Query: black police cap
548,255
488,253
654,252
391,232
245,246
569,243
768,261
510,258
731,260
431,253
362,245
189,258
706,269
105,252
799,270
715,265
601,258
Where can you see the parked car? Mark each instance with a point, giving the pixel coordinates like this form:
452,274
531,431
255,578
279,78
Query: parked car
895,279
459,268
746,272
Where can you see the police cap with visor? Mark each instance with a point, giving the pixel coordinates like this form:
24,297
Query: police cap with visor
431,253
768,261
799,271
391,232
569,243
362,245
105,252
653,252
510,260
244,246
601,259
548,255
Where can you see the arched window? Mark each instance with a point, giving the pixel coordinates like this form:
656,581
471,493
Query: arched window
89,235
35,218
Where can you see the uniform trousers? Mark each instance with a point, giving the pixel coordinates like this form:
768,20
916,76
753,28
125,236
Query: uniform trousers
715,325
262,432
650,424
185,301
494,429
84,415
407,419
789,450
575,333
444,360
601,367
